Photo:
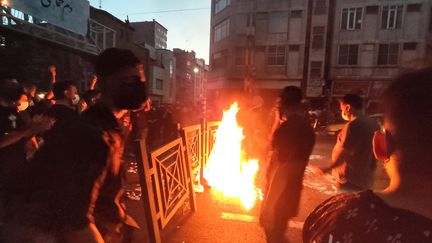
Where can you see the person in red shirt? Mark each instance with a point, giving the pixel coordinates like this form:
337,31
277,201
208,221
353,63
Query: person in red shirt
402,212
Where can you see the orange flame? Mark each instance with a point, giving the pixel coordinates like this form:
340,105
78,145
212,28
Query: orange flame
4,2
225,171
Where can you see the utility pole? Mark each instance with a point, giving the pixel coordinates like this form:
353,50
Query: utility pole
100,4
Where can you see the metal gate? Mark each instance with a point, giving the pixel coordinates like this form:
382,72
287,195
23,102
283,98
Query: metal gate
166,183
193,140
167,175
210,135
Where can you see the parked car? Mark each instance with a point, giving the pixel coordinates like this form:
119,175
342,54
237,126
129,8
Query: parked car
335,128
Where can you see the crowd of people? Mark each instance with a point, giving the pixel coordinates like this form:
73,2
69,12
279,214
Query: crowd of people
61,156
61,177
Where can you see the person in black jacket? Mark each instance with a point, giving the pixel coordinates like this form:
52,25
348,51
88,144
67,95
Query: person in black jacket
292,145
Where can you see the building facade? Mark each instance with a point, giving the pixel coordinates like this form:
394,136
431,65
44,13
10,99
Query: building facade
120,35
191,78
258,44
326,47
162,76
373,41
151,33
200,80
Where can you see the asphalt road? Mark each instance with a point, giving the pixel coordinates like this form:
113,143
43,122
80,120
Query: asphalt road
217,220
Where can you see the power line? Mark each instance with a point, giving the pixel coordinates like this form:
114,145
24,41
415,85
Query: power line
169,11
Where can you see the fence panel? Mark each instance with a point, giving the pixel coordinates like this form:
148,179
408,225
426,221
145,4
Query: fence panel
192,139
210,138
166,184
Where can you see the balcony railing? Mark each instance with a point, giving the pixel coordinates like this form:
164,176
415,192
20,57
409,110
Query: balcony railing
374,72
100,37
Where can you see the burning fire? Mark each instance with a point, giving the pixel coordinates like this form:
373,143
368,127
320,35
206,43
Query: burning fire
226,171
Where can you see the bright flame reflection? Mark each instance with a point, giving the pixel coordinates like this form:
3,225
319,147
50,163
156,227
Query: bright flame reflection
225,171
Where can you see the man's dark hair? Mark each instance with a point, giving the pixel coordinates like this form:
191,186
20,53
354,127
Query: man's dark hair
59,89
291,96
355,101
89,95
114,59
10,90
407,105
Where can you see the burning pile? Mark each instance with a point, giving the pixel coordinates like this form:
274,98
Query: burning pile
226,171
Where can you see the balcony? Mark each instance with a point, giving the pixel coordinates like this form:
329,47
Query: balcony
371,72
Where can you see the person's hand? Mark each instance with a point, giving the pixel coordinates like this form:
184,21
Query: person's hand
52,70
94,79
93,82
83,106
147,106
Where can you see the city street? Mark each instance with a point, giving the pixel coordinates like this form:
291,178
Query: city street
219,220
159,110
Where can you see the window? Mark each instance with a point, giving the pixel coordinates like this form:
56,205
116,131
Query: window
240,56
351,18
171,69
318,37
221,5
220,59
296,13
315,70
320,7
415,7
348,54
159,84
410,46
278,22
392,17
221,30
250,20
276,55
388,54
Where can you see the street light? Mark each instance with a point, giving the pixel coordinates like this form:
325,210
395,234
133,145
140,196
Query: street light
196,70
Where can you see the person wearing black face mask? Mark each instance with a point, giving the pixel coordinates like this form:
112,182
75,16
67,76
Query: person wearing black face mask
71,190
121,81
